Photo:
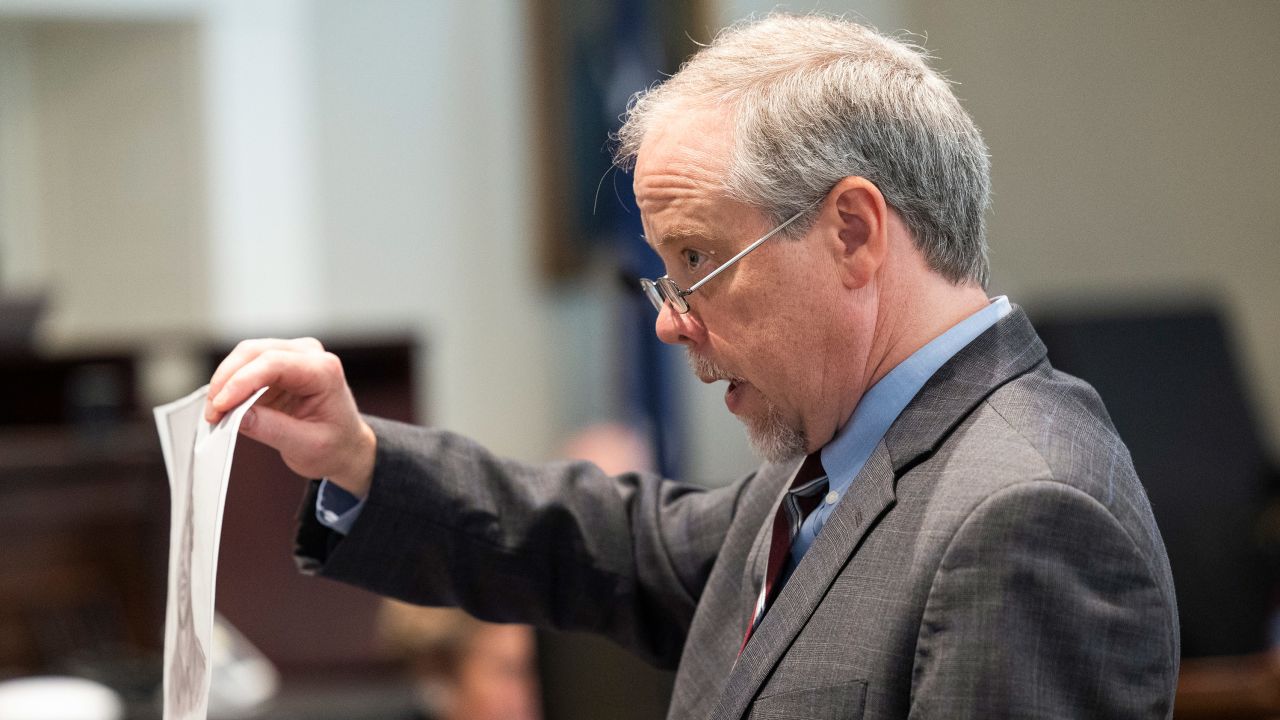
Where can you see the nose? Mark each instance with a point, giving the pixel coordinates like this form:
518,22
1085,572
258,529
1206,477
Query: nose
676,328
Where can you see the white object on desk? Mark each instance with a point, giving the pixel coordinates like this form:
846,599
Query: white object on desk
58,698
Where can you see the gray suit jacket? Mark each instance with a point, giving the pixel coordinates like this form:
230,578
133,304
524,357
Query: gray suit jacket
997,557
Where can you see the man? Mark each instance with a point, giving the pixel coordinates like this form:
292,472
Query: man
943,527
462,668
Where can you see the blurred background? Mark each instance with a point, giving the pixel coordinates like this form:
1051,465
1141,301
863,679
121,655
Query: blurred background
425,186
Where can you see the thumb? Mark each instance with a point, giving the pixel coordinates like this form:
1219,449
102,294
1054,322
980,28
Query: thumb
272,428
299,442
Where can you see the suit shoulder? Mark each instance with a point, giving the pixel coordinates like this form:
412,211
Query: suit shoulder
1045,427
1063,421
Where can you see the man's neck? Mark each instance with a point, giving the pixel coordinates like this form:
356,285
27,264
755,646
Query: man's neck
906,321
913,322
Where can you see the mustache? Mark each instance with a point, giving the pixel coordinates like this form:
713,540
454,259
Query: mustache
707,371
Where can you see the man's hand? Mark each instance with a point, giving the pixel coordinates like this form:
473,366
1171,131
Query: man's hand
308,414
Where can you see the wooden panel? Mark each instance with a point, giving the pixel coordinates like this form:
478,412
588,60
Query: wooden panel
80,390
83,520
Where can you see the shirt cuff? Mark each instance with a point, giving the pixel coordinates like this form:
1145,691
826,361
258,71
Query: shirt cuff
336,508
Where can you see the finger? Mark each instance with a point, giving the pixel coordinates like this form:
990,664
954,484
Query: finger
277,430
301,444
287,371
249,349
275,398
243,353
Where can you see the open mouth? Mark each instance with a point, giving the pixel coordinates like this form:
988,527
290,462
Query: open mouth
708,373
733,395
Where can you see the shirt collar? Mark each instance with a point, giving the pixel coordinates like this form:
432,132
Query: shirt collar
844,456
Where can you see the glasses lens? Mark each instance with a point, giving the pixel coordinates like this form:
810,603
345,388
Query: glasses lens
651,291
671,292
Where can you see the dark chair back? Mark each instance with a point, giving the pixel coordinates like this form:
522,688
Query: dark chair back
1172,386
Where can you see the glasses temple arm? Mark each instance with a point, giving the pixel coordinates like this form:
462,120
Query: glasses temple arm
744,252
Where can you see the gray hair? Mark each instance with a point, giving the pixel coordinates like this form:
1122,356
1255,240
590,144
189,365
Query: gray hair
817,99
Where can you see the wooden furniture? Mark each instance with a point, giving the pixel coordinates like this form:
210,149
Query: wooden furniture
84,518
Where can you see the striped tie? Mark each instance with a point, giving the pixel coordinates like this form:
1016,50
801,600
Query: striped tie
807,490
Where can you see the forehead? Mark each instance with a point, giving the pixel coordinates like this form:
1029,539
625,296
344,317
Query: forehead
693,141
680,170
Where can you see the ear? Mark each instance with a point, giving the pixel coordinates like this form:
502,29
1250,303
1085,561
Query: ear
861,223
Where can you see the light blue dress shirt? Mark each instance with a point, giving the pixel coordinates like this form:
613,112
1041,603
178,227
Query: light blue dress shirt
336,508
842,458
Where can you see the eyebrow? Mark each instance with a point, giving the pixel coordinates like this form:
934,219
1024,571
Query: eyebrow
679,235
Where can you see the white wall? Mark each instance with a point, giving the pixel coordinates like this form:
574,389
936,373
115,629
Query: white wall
23,258
1132,148
102,182
886,15
1134,154
427,204
229,168
264,259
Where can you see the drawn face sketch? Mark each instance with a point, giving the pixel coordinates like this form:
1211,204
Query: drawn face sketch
198,459
187,670
184,652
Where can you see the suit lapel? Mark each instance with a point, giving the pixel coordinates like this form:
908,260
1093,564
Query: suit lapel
808,584
1006,350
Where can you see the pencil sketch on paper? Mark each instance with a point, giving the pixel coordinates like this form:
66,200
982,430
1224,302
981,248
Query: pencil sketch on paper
187,667
198,460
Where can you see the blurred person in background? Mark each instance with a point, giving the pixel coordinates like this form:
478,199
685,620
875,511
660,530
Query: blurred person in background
943,526
613,447
463,668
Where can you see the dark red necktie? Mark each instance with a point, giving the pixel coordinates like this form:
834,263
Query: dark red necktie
806,492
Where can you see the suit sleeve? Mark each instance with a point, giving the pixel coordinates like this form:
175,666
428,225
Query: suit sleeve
559,545
1043,606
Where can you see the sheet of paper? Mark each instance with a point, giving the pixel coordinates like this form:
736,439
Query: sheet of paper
197,456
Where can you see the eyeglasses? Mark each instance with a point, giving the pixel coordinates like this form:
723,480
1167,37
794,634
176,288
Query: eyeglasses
664,289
